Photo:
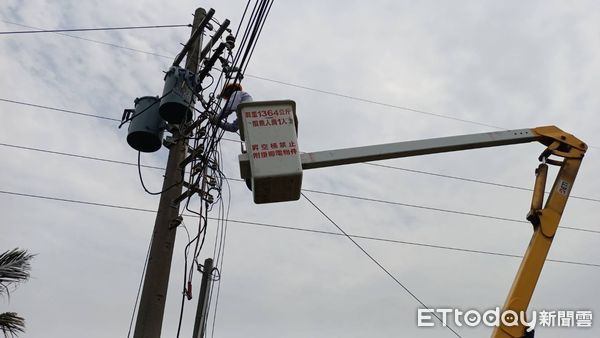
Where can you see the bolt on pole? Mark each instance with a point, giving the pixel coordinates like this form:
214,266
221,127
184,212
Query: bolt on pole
156,281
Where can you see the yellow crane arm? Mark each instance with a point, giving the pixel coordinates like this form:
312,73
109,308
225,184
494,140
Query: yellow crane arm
545,219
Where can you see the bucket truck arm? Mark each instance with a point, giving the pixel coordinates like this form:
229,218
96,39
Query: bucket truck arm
545,219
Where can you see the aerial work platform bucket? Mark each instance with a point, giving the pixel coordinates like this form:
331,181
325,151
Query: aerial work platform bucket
272,159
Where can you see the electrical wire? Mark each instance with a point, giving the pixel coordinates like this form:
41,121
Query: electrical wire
243,40
416,206
275,226
248,38
260,28
395,241
423,172
377,262
139,167
375,102
74,112
208,141
185,280
137,296
59,110
97,41
322,91
221,235
78,156
210,144
254,45
242,18
466,179
221,258
450,211
87,29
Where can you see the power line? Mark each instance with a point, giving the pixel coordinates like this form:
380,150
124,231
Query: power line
379,239
501,185
283,227
384,104
51,198
379,103
334,194
370,164
39,30
87,29
59,110
322,91
75,112
417,206
78,156
139,290
376,262
450,211
97,41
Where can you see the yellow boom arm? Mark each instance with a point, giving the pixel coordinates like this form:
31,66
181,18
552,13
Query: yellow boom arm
545,220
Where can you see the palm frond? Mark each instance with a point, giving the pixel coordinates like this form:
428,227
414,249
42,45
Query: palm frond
11,324
14,267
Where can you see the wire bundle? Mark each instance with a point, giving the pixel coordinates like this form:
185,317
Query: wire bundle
205,176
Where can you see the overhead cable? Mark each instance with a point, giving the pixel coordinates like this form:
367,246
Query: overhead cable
282,227
87,29
368,199
411,293
370,164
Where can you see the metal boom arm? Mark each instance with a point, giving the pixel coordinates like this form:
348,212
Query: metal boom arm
337,157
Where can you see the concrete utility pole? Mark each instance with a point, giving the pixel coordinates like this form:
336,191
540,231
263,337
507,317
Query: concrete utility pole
202,310
154,293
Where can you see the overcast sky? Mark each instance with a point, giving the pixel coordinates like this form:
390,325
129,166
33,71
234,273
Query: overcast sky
504,64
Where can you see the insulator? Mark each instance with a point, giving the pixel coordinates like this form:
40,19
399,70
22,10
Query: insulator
210,180
214,166
230,41
197,168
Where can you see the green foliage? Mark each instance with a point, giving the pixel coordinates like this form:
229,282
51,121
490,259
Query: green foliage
11,324
15,268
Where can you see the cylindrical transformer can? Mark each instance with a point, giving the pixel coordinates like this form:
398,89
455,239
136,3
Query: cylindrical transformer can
177,102
146,127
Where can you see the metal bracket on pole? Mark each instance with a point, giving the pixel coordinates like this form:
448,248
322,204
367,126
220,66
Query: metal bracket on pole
196,154
193,37
210,63
214,39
